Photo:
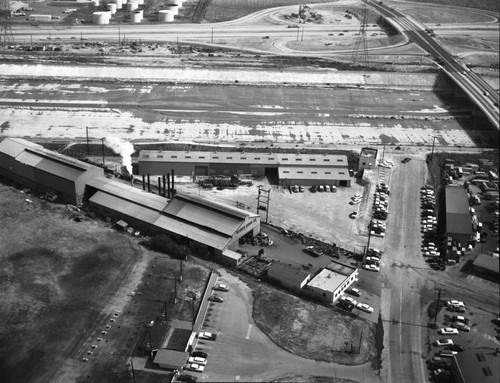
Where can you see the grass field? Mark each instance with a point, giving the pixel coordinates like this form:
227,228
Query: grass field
311,330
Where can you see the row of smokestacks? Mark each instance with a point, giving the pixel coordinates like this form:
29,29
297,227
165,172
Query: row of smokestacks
165,184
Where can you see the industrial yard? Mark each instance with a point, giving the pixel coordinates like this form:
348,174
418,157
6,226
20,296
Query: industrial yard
222,191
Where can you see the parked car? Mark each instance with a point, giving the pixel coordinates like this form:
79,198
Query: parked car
454,303
313,189
195,367
364,307
221,287
295,189
444,342
371,267
209,336
448,331
461,326
447,353
459,318
216,298
199,354
348,299
353,215
456,347
197,360
354,291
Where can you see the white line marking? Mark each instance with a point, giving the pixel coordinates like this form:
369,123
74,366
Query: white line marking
249,331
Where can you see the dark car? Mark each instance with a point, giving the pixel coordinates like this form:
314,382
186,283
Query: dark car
187,378
199,354
313,189
345,305
405,160
456,347
216,298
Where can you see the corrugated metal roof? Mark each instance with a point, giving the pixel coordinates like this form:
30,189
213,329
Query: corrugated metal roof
15,146
125,207
198,234
130,193
458,219
326,174
244,158
215,205
47,165
202,216
327,280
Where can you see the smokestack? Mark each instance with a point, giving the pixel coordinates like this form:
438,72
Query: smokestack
173,187
143,182
159,185
168,185
164,194
149,184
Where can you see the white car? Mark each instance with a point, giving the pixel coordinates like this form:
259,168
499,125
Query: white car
356,196
195,367
448,331
455,303
221,287
206,335
375,234
444,342
448,353
197,360
348,299
364,307
371,267
373,259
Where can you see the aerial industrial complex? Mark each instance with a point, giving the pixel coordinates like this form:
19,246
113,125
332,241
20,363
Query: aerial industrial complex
211,191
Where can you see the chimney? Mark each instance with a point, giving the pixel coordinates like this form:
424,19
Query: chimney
173,187
159,185
149,183
143,182
164,187
168,185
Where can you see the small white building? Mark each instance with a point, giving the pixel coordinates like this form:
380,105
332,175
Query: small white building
331,282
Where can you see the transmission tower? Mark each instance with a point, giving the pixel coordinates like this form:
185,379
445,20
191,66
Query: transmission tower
360,52
5,26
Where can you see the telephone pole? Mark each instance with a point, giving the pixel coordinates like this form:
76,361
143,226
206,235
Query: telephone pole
263,199
437,306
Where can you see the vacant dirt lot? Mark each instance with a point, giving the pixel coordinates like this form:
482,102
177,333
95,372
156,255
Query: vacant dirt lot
62,282
312,330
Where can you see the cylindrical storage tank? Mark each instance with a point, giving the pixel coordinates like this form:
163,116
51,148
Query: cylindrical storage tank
165,16
112,8
141,13
132,5
100,18
171,7
119,4
135,17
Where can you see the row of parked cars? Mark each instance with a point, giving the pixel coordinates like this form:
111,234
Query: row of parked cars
446,347
198,360
380,201
428,219
372,260
349,303
323,188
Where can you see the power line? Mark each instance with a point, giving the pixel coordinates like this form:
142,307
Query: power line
5,16
360,52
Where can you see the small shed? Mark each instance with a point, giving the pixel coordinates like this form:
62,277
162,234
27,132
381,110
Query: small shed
231,258
170,359
121,224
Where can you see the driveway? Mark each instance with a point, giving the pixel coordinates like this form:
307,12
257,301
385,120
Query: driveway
258,358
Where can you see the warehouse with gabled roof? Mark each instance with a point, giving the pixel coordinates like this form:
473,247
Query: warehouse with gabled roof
289,168
33,166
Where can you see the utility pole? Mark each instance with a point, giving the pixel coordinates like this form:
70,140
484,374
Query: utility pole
165,311
132,367
360,338
88,148
102,147
437,306
265,196
194,299
433,141
302,38
180,275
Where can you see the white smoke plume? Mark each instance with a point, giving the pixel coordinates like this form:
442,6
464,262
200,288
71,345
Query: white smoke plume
123,148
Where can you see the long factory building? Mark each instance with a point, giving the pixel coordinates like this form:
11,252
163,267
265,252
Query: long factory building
288,168
214,226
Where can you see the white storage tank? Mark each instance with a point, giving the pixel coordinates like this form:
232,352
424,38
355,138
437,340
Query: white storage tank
119,4
112,8
165,16
136,16
171,7
132,5
101,18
